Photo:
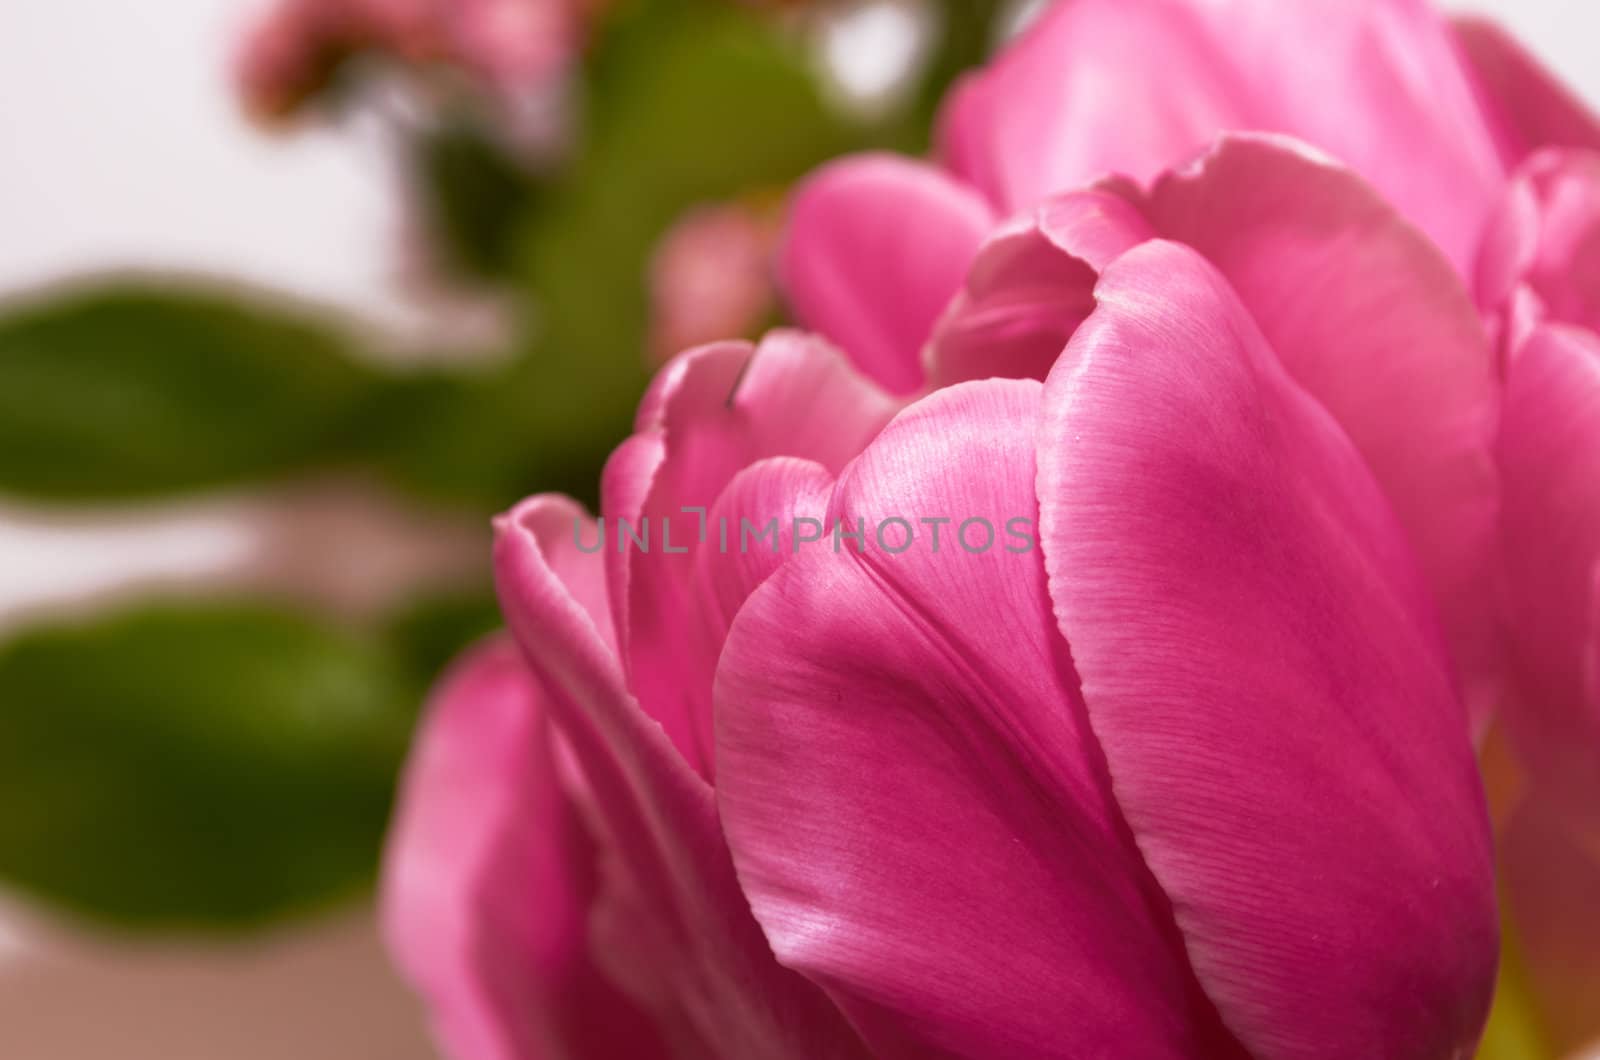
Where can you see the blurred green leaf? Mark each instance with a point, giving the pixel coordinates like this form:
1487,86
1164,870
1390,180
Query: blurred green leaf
126,391
430,631
964,37
475,196
197,765
687,103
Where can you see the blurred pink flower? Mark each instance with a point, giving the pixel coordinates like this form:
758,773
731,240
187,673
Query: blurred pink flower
511,46
1172,764
711,277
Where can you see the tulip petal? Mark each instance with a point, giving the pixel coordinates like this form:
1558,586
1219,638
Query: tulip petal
723,408
916,812
753,530
691,929
1549,454
876,247
1367,316
1260,666
1132,86
489,879
1030,287
1545,239
1525,104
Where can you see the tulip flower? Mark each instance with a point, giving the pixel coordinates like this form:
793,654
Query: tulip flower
1183,773
1288,227
1120,94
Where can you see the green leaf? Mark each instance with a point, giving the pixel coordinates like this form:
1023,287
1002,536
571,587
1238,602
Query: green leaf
200,765
430,631
687,103
475,194
128,391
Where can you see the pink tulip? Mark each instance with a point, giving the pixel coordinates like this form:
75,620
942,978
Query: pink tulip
1115,94
1294,233
1188,777
1183,772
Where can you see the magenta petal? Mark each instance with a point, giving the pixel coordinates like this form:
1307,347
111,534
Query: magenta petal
752,530
1030,287
876,247
490,877
1525,104
1262,671
1545,241
913,802
668,876
721,409
1367,316
1550,460
1132,86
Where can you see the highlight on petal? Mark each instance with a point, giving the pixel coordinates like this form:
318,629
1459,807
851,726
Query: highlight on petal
723,408
490,876
1030,287
916,809
1128,86
1369,318
670,908
1262,669
1525,104
1549,453
876,247
752,530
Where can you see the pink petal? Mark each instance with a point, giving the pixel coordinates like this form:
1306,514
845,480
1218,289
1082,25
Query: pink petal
738,558
710,277
723,408
490,876
1262,671
668,878
1545,240
1551,860
1524,103
1550,460
1133,86
916,810
1367,316
1030,288
876,247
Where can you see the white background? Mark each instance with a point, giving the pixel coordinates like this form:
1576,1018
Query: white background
120,145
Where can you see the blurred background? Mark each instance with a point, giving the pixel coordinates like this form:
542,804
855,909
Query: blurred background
293,296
